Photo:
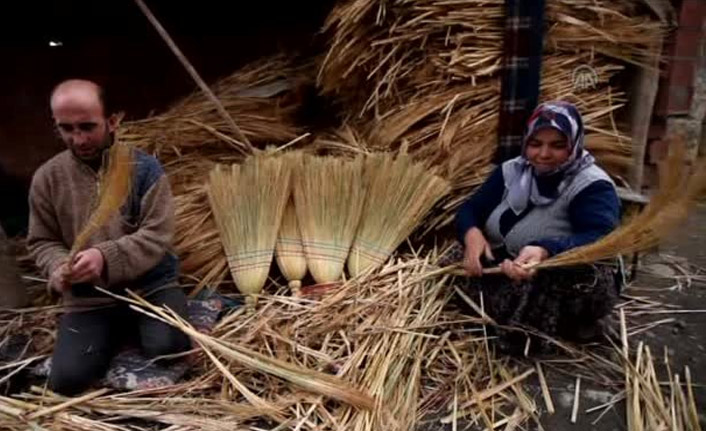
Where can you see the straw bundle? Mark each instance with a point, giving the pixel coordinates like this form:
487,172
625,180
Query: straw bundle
666,211
248,201
262,97
289,250
328,197
113,190
399,194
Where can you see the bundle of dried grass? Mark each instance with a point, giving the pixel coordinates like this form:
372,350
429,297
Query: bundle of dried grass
248,201
113,191
289,250
668,208
400,192
328,197
262,97
390,48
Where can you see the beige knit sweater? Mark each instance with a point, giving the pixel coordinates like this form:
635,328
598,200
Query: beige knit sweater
134,243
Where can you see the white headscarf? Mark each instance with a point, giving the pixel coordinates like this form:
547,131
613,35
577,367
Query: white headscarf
520,176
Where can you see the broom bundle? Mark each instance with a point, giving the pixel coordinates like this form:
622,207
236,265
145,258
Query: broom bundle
328,197
113,191
248,201
668,208
400,192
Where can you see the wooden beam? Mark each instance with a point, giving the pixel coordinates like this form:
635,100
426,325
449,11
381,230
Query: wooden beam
642,101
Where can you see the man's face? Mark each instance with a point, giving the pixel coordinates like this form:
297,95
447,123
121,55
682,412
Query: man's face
82,125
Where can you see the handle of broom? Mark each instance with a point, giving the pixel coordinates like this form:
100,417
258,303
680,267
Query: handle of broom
458,270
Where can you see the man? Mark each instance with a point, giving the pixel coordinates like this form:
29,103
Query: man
133,250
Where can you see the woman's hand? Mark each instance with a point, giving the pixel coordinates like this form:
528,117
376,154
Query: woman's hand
529,256
476,245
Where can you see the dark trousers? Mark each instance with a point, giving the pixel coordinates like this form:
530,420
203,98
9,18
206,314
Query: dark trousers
87,340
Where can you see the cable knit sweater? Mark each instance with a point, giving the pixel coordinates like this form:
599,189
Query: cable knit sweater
136,244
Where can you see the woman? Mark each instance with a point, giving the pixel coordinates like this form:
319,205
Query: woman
551,198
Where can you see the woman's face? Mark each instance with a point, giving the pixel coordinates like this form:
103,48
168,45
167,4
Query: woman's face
547,149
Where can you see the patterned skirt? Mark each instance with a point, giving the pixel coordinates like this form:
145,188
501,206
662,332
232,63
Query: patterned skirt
565,302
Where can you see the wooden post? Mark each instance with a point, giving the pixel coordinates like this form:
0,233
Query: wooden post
643,100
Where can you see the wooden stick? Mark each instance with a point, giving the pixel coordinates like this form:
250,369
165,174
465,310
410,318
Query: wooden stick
68,403
577,393
545,389
194,74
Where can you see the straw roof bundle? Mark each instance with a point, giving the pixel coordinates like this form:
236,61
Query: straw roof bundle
248,201
399,194
328,197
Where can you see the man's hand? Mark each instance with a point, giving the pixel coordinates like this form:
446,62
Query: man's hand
529,256
476,245
59,279
87,267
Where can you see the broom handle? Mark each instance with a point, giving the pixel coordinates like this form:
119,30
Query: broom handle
458,270
194,74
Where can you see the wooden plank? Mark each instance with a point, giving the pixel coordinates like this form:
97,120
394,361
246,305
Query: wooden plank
642,101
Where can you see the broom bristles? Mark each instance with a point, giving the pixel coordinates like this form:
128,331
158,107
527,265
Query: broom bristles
328,198
400,193
248,201
113,192
667,209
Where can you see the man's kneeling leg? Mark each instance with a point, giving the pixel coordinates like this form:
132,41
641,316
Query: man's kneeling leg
83,350
158,338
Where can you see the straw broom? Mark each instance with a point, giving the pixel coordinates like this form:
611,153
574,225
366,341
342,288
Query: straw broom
289,250
665,212
328,197
248,201
112,193
400,193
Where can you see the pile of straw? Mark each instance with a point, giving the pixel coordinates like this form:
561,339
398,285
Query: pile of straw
383,351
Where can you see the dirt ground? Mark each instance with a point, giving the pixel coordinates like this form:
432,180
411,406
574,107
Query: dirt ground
684,339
